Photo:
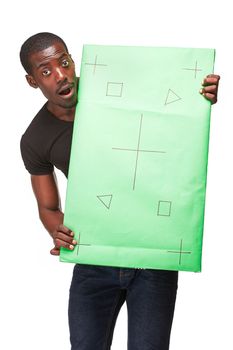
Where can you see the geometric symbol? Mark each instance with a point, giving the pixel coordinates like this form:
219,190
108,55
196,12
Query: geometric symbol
180,252
78,244
95,64
171,97
114,89
164,208
137,150
107,200
194,69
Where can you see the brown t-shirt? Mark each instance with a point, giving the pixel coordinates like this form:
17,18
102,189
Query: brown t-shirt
46,143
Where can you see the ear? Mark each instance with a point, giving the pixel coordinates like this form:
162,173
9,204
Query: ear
31,81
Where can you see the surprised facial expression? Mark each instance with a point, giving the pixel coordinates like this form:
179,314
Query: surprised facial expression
53,71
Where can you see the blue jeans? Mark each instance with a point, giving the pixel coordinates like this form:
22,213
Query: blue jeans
97,294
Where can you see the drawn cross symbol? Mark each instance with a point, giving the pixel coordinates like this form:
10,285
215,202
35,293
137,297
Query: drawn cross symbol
180,252
137,150
95,64
194,69
78,243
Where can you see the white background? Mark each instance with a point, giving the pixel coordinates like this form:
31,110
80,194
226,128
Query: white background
34,285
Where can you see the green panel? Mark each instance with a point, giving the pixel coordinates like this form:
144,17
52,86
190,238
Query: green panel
137,176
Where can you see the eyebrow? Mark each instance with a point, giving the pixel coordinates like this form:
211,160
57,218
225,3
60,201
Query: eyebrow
45,63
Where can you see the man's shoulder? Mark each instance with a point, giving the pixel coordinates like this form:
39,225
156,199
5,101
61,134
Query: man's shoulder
34,144
37,124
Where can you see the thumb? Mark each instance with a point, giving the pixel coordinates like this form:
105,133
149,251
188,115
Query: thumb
55,251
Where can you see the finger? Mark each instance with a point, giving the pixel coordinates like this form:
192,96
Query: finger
210,88
59,243
65,229
63,237
211,97
210,81
55,251
214,76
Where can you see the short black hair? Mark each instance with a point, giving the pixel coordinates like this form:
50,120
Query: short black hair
36,43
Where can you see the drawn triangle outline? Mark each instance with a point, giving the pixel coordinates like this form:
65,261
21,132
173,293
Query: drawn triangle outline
106,203
169,97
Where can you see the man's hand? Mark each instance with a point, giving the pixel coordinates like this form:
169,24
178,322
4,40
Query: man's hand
210,87
62,237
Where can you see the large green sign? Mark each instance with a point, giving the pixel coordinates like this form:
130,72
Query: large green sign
137,176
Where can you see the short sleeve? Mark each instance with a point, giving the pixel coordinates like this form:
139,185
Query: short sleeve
33,159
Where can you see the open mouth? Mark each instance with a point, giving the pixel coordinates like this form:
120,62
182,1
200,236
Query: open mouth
66,90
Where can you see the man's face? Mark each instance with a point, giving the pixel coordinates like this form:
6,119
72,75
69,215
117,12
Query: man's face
53,71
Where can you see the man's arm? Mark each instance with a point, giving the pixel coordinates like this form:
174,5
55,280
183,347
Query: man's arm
48,200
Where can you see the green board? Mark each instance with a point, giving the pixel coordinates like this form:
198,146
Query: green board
137,176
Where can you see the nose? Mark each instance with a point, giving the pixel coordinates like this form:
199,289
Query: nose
59,74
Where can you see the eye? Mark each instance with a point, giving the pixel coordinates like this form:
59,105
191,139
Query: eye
46,72
65,63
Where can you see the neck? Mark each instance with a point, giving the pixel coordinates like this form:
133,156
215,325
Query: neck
62,113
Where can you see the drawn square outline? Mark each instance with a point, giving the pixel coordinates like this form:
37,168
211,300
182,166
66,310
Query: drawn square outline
114,89
164,208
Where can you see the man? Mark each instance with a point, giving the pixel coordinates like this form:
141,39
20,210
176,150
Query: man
97,292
